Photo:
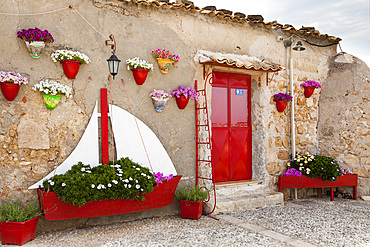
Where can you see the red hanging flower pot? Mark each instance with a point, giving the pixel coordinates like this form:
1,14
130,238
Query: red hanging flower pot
281,105
308,91
140,75
182,102
70,68
10,90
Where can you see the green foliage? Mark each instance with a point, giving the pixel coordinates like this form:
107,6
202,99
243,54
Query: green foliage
195,194
124,179
319,166
18,212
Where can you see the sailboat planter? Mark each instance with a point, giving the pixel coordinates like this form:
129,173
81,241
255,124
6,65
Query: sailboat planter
126,127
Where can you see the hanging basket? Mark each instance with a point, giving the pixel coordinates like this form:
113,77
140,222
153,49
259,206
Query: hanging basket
308,91
182,102
140,75
51,101
18,232
281,105
159,105
191,209
9,90
35,48
70,68
164,65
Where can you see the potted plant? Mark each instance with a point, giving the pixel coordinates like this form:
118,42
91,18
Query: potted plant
316,171
18,222
159,98
282,100
35,40
165,59
70,61
183,94
309,87
10,83
139,68
118,188
191,201
52,91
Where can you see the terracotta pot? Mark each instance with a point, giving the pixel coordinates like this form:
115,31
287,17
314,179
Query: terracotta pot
35,48
140,75
182,102
308,91
10,90
164,64
70,68
191,209
18,232
159,105
51,101
281,105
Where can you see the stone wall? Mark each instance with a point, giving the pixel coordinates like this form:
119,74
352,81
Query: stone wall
344,116
33,137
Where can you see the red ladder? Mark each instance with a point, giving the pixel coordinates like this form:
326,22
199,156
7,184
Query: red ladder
203,142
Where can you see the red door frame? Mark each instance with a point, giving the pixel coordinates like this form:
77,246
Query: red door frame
232,131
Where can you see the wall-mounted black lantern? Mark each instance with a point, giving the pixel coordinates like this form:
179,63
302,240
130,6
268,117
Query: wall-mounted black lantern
113,61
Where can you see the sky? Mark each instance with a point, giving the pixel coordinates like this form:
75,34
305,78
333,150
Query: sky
346,19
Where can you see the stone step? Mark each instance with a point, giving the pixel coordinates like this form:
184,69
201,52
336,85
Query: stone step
240,189
231,203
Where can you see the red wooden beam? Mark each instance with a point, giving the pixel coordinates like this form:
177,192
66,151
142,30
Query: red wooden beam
104,125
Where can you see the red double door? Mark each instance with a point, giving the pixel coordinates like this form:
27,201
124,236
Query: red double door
231,127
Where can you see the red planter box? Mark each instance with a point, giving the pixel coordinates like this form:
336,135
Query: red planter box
191,209
18,232
289,182
55,209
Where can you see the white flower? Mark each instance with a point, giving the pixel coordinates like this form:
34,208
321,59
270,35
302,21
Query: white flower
99,187
53,88
148,177
126,180
82,169
93,186
120,175
305,161
136,181
88,171
125,185
60,55
109,185
114,181
137,186
63,184
141,189
52,183
103,186
130,178
138,169
138,63
129,185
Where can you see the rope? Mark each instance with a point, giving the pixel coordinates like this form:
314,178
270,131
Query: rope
40,13
69,129
137,125
90,23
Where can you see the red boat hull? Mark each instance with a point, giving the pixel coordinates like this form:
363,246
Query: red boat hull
54,209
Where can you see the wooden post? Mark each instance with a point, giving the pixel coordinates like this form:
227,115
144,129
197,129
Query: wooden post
104,125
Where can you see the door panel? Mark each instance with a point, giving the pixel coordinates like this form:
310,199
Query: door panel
231,131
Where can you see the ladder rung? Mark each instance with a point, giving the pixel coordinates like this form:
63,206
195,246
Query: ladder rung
208,161
204,178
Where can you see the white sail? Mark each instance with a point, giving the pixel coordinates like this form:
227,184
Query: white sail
127,141
86,151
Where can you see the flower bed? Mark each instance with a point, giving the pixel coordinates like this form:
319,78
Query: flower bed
54,209
292,182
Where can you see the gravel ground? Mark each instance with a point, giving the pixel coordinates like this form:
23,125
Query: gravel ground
306,222
316,221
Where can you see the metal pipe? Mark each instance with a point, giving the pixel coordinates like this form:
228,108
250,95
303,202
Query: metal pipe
292,123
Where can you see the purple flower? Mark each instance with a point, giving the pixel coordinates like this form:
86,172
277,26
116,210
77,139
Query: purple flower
282,97
35,34
311,84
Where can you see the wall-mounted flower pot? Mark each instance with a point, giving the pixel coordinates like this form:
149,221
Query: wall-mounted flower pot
191,209
164,64
140,75
35,48
182,102
18,232
70,68
159,105
308,91
9,90
281,105
51,101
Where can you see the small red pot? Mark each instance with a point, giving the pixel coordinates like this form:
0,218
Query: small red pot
308,91
18,232
182,102
140,75
70,68
281,105
10,90
191,209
